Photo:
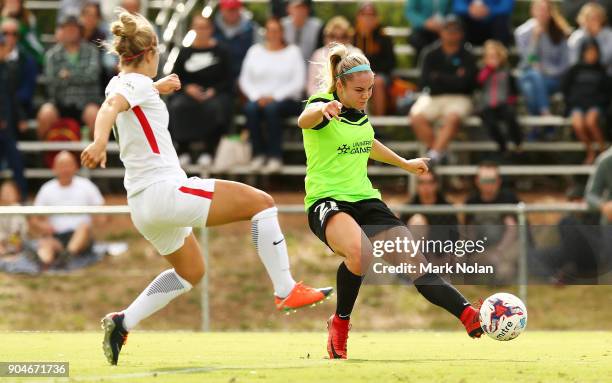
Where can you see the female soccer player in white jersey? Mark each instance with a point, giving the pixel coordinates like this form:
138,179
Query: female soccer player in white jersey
164,203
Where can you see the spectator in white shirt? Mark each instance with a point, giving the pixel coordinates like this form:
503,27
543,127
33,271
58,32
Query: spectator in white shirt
65,235
273,77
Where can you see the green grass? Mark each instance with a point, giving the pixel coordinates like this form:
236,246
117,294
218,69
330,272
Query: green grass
536,356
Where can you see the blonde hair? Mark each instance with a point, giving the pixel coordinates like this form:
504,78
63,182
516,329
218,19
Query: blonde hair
134,36
590,9
338,22
499,49
340,60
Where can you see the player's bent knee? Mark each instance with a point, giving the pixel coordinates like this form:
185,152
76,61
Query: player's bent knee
194,275
263,201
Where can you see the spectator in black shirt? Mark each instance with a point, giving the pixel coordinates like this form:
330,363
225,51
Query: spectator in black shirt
431,226
448,78
586,93
378,48
499,229
201,111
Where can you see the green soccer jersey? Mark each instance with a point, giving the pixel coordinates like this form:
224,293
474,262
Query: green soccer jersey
337,154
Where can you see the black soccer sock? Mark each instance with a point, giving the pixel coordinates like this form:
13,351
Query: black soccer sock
440,293
347,287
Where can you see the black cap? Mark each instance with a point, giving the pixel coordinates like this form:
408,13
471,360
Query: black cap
452,21
69,19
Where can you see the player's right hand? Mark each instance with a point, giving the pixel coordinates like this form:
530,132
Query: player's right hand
94,155
331,109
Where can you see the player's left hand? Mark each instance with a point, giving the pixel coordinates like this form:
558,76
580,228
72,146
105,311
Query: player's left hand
168,84
94,155
417,166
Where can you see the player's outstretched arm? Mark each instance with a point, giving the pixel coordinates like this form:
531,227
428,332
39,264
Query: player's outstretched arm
381,153
314,113
95,153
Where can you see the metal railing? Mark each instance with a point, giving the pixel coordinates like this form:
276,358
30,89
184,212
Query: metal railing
520,210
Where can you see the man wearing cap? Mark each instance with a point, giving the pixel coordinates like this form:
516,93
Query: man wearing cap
301,29
235,29
448,78
499,229
72,71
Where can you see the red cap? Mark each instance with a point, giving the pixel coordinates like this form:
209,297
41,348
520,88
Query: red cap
230,4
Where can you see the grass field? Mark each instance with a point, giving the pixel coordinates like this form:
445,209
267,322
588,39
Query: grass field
536,356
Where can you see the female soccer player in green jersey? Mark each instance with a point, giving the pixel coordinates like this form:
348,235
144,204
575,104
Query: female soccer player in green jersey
344,210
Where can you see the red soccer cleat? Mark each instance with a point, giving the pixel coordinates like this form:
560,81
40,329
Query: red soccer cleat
470,317
301,296
337,337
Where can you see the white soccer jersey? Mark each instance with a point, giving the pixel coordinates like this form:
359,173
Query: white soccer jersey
145,144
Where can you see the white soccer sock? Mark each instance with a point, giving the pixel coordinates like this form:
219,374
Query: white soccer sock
164,288
272,250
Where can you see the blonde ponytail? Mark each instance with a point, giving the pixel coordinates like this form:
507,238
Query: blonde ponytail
340,60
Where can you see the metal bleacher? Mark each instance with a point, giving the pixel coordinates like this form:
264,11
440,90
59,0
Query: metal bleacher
403,147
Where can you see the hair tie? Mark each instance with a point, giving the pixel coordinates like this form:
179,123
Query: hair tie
358,68
130,58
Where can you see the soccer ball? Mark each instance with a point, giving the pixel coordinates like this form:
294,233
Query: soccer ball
503,316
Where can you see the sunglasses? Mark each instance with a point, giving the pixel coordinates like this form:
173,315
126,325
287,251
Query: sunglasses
10,33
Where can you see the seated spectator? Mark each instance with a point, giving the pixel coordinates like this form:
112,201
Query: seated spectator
599,187
576,257
72,69
13,228
28,31
571,8
599,197
542,46
499,229
134,6
431,226
448,78
485,19
201,111
278,8
273,77
378,48
586,90
235,29
95,32
338,29
65,236
499,94
72,7
301,28
9,115
426,18
91,20
592,22
23,70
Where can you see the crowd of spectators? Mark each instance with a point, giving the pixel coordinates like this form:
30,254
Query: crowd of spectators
234,58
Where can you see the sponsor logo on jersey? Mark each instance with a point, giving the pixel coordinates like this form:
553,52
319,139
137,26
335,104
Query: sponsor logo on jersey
358,147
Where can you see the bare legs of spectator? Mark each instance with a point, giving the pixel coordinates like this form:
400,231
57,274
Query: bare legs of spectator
50,247
48,115
80,240
587,130
378,104
436,144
